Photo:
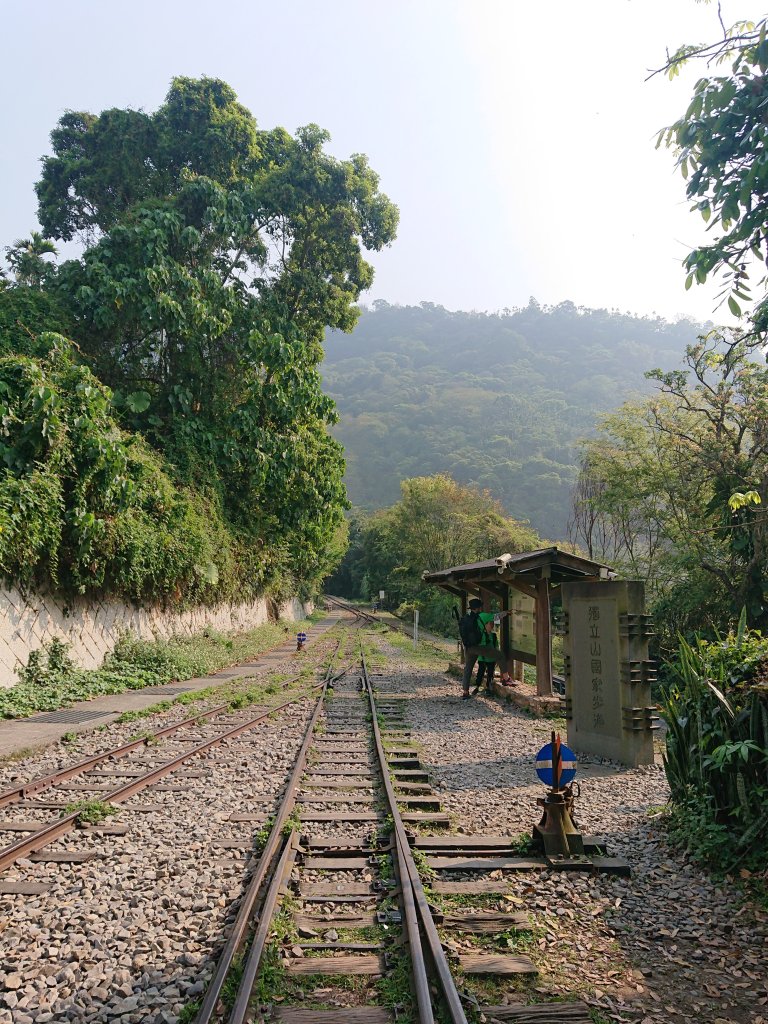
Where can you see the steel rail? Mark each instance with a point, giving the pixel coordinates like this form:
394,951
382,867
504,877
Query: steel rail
340,603
34,786
409,870
37,840
240,1009
248,902
26,789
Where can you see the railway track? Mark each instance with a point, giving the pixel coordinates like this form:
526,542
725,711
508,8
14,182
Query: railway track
113,776
345,912
336,925
337,602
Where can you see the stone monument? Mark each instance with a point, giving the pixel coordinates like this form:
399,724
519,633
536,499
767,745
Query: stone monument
608,673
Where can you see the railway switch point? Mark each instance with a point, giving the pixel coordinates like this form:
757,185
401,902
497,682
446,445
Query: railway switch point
557,834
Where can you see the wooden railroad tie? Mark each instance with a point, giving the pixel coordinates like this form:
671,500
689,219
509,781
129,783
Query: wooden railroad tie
539,1013
497,964
336,965
338,1015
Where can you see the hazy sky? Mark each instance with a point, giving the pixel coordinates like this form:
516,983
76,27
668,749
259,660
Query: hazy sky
516,137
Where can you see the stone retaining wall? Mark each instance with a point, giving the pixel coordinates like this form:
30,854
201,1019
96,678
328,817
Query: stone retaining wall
92,627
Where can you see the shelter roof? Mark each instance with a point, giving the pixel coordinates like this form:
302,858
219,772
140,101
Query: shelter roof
562,567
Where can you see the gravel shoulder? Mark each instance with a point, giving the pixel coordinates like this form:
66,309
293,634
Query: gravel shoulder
132,935
668,944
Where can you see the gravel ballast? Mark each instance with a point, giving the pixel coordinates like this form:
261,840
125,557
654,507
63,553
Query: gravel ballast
668,944
132,935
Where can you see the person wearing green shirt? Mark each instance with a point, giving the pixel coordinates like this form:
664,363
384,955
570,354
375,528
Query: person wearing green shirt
485,649
486,666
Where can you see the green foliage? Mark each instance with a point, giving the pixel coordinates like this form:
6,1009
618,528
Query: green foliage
189,1012
495,401
437,523
654,496
26,314
26,260
215,255
717,749
720,147
86,506
50,680
90,812
48,666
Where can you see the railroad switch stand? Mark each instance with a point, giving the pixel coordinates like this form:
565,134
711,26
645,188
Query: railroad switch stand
558,834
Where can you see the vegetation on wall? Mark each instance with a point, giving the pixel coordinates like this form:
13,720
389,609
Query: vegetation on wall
214,257
51,680
85,505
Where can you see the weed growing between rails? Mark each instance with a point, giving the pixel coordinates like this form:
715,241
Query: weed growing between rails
238,694
422,656
51,680
90,812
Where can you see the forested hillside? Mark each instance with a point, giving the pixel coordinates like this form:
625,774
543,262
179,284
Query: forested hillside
493,400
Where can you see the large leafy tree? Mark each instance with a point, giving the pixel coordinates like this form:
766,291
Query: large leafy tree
216,255
721,147
658,484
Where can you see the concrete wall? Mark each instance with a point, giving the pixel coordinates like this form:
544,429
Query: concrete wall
92,627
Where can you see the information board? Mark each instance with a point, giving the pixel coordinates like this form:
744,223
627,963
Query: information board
522,623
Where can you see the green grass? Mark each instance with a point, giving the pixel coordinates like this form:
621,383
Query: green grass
135,716
292,823
232,982
422,655
189,1012
90,812
394,987
149,738
51,680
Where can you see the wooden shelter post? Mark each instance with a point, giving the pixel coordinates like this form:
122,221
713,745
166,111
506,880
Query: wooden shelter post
543,638
505,640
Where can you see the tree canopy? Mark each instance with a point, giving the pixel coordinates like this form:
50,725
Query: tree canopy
436,523
720,144
215,255
655,488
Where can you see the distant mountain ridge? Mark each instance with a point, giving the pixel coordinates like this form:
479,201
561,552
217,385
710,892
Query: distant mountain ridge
496,400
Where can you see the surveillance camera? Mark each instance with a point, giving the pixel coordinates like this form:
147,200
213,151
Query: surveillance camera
503,561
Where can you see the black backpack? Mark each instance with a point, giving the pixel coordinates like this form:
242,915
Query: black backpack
470,630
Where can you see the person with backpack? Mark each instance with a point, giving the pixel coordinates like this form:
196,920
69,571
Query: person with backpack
486,666
473,639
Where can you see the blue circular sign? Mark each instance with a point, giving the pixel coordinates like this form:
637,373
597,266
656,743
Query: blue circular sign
567,765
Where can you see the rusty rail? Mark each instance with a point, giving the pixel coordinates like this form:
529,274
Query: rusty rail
367,617
409,873
276,845
41,838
